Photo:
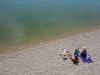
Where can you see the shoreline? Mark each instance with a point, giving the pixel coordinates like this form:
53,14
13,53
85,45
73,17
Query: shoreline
7,50
44,59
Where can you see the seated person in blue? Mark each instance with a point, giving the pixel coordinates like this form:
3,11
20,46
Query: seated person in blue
83,53
76,52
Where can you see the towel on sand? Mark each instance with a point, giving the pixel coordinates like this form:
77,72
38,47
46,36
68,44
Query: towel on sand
87,59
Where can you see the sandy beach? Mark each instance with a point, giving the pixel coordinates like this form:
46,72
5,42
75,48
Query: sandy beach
45,58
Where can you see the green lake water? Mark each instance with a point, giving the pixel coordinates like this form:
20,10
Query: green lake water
23,21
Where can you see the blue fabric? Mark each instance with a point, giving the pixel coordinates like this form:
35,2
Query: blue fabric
87,59
83,55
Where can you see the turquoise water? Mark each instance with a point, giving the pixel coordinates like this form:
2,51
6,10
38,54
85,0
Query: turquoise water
23,21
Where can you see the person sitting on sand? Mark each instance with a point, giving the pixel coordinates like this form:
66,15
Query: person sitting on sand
74,60
64,54
83,53
85,57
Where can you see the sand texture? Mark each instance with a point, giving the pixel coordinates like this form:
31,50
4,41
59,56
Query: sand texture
45,58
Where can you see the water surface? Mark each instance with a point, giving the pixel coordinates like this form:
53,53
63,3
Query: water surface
23,21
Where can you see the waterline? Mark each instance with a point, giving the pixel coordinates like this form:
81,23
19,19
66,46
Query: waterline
23,21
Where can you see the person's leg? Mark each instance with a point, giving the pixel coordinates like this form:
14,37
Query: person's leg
69,55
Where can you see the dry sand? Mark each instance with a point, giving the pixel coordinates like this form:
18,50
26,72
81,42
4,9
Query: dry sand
45,59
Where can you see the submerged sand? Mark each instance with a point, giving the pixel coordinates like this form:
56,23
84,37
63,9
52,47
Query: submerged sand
45,58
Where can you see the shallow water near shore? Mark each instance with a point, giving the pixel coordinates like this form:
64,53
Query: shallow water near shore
25,21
